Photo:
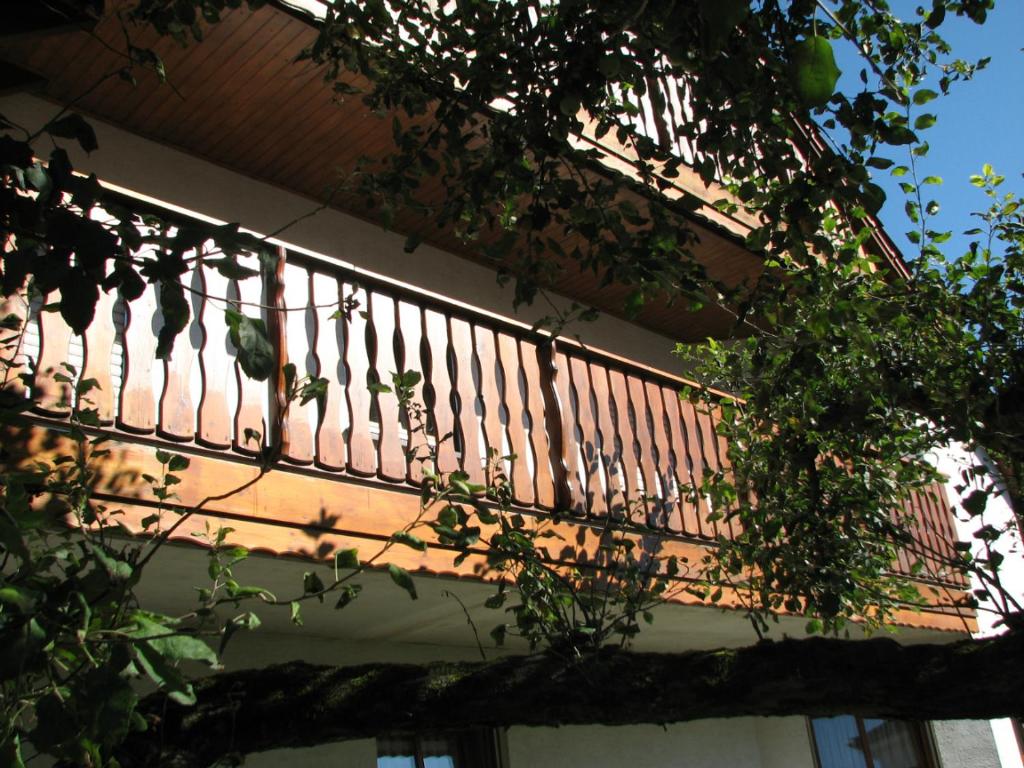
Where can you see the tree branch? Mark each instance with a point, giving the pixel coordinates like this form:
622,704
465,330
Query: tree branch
298,704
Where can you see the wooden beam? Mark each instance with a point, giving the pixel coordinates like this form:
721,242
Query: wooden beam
298,704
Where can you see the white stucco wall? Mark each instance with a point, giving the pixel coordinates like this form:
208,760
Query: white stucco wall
704,744
784,742
744,742
965,744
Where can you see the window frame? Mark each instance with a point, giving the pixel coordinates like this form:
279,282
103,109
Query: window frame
922,733
491,739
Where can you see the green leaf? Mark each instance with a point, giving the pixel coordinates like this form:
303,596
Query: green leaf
346,558
296,613
170,645
312,584
255,352
117,569
247,621
165,675
10,752
348,593
175,312
74,126
230,268
923,96
17,597
402,578
814,70
78,297
177,463
406,538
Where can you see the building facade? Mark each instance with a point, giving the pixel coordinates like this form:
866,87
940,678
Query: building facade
593,420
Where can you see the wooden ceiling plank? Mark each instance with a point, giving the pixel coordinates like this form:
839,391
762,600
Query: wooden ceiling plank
120,99
287,121
209,97
251,86
191,74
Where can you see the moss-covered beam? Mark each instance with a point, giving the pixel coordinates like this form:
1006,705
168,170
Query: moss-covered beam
298,704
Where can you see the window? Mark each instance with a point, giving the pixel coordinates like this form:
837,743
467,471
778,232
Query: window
462,749
855,742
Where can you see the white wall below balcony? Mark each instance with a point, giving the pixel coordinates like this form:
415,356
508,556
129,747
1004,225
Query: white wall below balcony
737,743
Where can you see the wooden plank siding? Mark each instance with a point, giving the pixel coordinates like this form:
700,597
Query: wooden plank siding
576,430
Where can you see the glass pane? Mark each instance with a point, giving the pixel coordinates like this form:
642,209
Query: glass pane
396,752
439,751
893,744
838,742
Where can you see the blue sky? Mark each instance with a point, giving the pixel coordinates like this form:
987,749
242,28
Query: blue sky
979,122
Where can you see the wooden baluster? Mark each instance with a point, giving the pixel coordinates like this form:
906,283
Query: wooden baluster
494,432
921,533
52,397
300,342
392,456
473,457
559,443
441,382
903,554
137,411
648,467
950,518
616,488
214,362
177,411
722,447
535,388
252,395
410,324
688,518
947,531
99,349
593,493
708,442
522,483
277,333
912,520
12,343
698,463
567,460
362,456
630,468
932,528
668,514
330,438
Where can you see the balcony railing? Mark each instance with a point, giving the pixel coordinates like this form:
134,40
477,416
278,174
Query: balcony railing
581,430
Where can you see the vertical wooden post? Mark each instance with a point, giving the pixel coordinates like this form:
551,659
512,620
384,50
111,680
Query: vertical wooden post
277,439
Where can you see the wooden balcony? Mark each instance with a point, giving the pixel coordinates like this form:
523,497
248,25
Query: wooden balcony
582,432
